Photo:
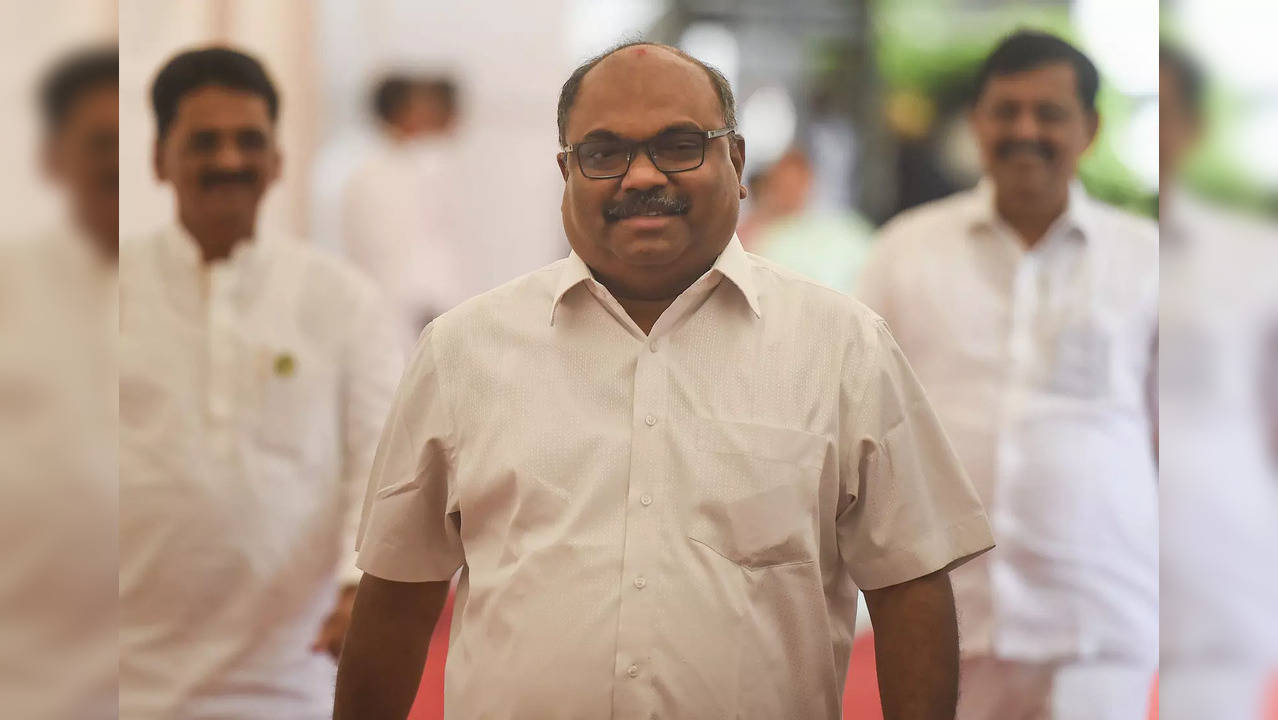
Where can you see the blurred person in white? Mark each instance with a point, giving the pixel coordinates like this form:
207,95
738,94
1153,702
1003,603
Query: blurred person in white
1219,492
396,207
255,375
663,464
58,481
1029,311
827,246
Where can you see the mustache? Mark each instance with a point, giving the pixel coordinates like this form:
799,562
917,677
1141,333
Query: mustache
1006,149
213,178
643,202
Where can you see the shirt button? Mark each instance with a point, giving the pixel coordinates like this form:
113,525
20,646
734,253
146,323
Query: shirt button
645,499
640,582
633,671
652,346
650,420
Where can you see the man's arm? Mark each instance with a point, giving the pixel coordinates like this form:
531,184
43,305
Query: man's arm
916,648
385,650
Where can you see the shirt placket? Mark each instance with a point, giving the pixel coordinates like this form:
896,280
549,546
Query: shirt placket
220,353
1021,359
635,665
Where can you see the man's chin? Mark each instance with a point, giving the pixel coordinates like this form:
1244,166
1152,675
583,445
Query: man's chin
647,248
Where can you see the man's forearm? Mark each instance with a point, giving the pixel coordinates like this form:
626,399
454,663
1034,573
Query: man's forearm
385,650
916,648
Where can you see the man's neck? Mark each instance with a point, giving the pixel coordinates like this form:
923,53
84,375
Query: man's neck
216,242
1031,215
645,313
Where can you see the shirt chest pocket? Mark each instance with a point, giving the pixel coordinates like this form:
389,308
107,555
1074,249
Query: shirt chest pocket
1082,359
296,400
754,491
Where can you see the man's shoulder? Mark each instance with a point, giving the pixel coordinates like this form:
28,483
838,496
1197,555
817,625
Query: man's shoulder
322,269
530,292
1123,223
791,291
1131,240
922,221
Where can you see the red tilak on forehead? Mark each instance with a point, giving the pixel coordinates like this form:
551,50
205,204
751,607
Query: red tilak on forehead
640,52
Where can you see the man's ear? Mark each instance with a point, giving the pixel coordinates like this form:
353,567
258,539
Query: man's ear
157,160
278,166
49,159
1093,126
736,150
562,158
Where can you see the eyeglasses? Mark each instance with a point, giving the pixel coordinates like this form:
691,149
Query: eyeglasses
671,152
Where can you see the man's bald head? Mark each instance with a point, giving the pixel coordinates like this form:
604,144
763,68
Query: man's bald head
572,86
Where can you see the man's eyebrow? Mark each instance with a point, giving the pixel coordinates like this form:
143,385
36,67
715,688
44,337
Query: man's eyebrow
601,134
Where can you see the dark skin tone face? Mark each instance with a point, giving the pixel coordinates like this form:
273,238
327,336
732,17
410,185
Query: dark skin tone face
1032,128
220,154
82,156
646,261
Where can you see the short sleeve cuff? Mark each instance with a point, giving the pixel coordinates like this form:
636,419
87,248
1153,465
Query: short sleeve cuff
942,549
398,564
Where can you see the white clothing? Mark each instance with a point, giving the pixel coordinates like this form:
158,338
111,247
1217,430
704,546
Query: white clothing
670,524
252,392
1041,365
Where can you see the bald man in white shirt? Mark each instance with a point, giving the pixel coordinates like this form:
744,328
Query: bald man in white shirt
255,375
663,465
1029,311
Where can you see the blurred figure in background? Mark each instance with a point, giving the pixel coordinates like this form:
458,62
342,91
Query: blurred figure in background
1029,312
1219,494
396,207
782,226
81,101
256,373
58,480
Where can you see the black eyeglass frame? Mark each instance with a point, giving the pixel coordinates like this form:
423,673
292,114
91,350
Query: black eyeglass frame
706,137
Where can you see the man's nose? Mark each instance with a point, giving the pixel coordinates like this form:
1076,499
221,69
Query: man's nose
1025,126
643,174
229,157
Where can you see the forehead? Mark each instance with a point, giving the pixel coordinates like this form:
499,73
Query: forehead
214,106
641,90
1055,81
95,105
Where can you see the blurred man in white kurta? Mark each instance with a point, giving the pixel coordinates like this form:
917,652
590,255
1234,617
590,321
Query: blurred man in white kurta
1219,489
1029,312
398,208
255,376
663,464
58,485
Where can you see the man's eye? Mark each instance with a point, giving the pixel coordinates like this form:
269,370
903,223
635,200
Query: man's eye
203,141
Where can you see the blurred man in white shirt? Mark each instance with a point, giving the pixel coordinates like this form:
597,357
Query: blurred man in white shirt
397,208
1029,312
1219,490
58,488
255,375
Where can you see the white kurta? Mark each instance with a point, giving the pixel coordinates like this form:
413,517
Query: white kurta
399,224
58,489
252,392
663,525
1219,492
1041,366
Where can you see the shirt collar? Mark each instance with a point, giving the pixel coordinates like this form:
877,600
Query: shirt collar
1077,216
733,263
184,248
